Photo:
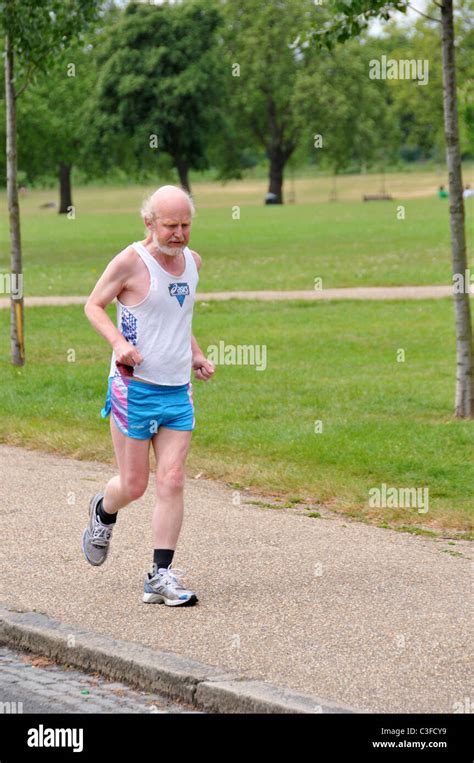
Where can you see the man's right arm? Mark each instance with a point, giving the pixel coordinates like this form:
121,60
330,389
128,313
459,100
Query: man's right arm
109,285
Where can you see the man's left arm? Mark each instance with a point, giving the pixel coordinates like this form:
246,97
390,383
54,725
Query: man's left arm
203,368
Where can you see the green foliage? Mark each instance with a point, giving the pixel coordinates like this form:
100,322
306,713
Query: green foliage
351,17
168,71
355,116
51,125
419,111
38,29
271,80
159,76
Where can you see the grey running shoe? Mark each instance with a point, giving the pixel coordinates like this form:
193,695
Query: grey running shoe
96,536
165,587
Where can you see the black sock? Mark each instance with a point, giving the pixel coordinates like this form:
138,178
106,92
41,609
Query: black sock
162,557
105,518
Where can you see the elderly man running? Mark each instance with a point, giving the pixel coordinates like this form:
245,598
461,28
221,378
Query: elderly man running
149,389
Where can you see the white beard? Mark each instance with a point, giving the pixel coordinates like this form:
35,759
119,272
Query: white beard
171,250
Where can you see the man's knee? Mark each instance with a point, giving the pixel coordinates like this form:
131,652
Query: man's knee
134,486
171,478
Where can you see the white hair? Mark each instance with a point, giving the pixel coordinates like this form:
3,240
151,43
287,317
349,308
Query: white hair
150,207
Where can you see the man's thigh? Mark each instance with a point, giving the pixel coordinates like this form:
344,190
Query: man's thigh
133,455
171,448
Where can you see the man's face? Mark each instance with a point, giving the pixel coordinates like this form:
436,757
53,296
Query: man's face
171,230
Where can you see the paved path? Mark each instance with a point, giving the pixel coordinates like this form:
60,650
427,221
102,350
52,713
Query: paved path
367,617
362,292
30,684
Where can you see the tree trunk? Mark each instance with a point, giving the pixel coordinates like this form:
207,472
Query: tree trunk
275,153
65,198
17,312
183,173
277,165
464,399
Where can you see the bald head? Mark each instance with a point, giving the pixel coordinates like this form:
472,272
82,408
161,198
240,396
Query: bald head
166,202
168,214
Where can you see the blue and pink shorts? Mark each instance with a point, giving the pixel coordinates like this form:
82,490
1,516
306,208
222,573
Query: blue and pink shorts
140,408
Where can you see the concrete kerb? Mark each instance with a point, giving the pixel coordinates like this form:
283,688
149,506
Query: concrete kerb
207,687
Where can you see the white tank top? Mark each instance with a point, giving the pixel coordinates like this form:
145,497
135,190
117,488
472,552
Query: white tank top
160,326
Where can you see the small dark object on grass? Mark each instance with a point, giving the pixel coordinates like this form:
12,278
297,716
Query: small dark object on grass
271,198
377,197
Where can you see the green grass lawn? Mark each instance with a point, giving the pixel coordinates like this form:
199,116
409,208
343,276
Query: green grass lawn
346,243
383,421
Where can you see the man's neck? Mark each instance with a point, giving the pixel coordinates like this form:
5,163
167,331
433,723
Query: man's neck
169,261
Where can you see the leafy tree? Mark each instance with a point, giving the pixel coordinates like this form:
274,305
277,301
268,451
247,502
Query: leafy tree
34,32
351,17
158,88
52,127
355,114
271,79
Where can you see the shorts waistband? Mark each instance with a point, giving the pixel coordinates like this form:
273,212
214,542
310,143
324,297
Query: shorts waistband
152,385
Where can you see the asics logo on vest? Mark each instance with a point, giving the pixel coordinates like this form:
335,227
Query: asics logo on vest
179,290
